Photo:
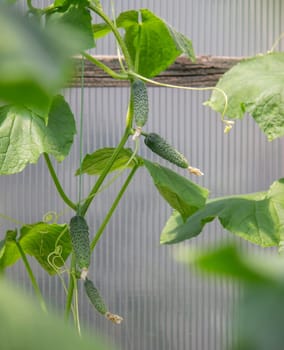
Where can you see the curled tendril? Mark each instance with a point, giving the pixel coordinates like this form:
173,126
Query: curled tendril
53,257
228,125
56,255
51,217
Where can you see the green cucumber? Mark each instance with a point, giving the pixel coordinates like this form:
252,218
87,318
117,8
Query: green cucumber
94,297
160,146
79,232
140,102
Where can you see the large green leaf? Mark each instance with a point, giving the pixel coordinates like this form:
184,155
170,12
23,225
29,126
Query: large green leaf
24,135
34,64
94,164
182,194
152,44
77,18
255,85
256,217
24,326
39,240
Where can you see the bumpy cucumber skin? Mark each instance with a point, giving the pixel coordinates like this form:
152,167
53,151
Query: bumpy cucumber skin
94,297
79,232
161,147
140,103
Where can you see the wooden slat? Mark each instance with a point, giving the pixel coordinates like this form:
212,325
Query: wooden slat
205,72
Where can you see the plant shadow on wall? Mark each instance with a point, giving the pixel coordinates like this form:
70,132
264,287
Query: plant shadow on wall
39,62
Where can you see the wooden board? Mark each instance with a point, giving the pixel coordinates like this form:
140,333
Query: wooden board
205,72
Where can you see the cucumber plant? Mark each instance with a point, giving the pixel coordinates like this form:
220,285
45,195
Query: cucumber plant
36,120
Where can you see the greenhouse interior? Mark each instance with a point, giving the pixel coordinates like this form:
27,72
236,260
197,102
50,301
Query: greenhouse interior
141,163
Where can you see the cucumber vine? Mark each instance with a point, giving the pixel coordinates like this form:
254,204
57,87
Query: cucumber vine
139,64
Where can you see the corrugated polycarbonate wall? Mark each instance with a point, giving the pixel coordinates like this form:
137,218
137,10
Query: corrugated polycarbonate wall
165,305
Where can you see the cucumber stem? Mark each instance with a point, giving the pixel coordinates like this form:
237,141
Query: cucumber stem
57,183
105,68
113,207
116,33
70,292
32,277
104,173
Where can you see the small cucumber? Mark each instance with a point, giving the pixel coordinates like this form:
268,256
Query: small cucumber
94,297
160,146
140,102
98,302
79,232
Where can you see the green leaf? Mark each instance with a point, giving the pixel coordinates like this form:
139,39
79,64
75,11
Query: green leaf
24,326
255,85
174,224
256,217
2,247
183,44
39,240
97,3
152,44
7,2
226,261
9,252
94,164
59,3
76,18
24,135
100,30
32,61
182,194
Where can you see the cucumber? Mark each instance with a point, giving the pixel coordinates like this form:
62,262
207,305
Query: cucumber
160,146
140,102
79,232
94,297
98,302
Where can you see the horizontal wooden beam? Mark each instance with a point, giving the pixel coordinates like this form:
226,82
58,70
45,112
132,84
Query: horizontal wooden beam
206,71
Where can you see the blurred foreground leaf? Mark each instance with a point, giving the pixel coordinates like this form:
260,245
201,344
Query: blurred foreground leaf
258,323
24,326
34,64
74,16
